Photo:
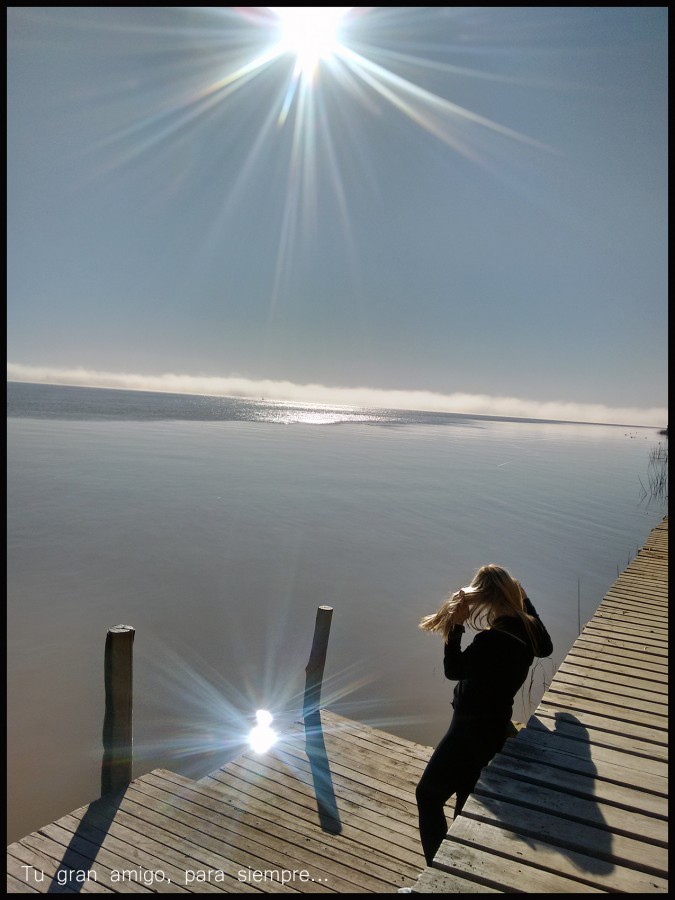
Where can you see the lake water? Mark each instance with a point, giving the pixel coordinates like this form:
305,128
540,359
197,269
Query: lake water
217,526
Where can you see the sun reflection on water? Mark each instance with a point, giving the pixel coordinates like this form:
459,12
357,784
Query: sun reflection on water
287,413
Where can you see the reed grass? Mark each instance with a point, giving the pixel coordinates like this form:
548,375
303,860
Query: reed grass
657,474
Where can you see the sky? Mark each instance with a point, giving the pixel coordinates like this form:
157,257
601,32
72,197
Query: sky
459,208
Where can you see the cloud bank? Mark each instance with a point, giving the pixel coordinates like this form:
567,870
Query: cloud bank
238,386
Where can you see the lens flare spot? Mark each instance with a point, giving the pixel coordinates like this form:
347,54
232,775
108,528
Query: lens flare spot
262,737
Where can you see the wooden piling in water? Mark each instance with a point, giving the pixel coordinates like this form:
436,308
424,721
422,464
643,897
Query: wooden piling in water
317,661
116,767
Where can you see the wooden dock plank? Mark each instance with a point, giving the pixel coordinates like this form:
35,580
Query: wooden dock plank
147,832
639,632
639,696
504,873
579,784
18,885
633,612
614,740
205,848
358,834
363,765
645,632
37,872
635,656
649,675
296,814
619,600
648,640
616,679
370,828
651,774
599,725
279,787
599,769
573,703
634,598
562,832
438,882
106,854
643,702
363,779
646,573
135,847
272,840
334,724
46,858
377,807
341,861
551,800
358,746
541,856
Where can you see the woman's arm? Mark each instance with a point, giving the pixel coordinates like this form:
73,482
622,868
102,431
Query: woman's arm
485,654
452,654
545,646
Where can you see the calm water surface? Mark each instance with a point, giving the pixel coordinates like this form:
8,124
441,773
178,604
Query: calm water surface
217,527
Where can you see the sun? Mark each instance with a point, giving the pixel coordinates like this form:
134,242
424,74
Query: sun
310,33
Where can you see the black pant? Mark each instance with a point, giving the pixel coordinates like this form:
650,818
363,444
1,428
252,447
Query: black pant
454,768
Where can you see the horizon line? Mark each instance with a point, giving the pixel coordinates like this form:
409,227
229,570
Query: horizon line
458,403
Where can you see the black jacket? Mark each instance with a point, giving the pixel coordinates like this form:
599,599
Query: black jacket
493,667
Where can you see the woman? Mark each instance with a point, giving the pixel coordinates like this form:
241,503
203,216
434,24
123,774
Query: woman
488,673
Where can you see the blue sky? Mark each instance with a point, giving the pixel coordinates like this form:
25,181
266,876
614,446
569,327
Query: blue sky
464,208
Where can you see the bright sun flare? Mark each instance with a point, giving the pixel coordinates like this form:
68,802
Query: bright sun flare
310,33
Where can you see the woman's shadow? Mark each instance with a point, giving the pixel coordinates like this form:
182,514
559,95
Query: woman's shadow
542,786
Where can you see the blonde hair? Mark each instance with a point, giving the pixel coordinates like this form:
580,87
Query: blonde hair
493,593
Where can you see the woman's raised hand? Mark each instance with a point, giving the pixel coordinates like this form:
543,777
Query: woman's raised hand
461,612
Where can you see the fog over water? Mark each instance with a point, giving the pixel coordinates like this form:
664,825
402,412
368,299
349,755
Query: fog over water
216,527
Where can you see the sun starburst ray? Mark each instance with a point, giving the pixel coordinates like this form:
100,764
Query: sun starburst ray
397,57
169,122
404,94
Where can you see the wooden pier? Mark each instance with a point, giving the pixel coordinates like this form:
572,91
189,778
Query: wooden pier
576,803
